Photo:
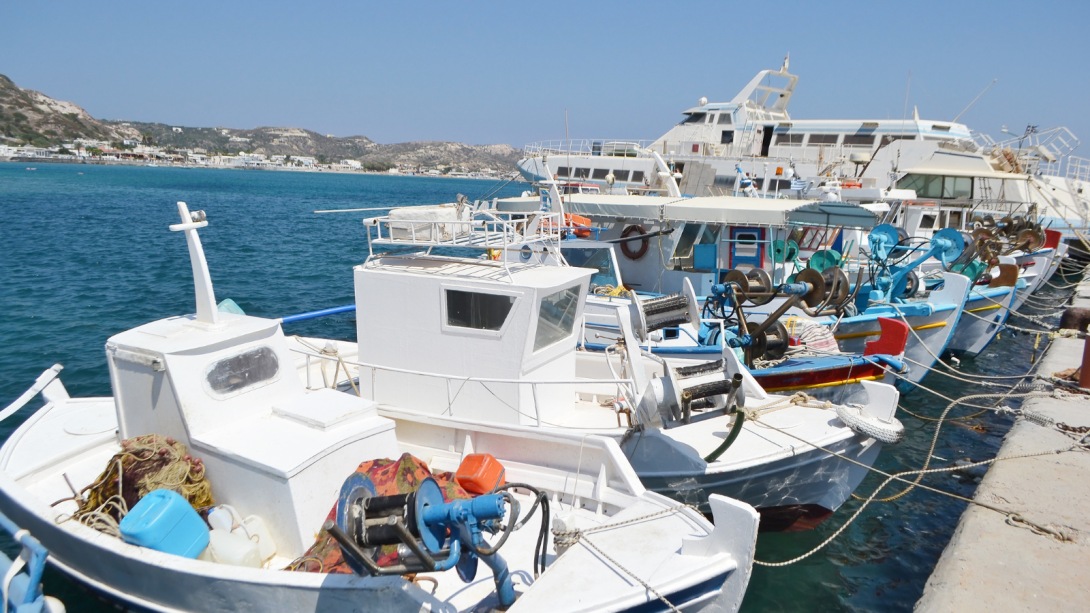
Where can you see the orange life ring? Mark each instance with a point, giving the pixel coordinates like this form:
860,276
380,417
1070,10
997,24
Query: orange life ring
644,244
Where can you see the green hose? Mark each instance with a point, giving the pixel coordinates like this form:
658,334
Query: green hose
735,430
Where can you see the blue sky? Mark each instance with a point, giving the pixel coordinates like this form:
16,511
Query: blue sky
505,72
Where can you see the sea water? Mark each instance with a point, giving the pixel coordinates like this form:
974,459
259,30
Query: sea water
86,254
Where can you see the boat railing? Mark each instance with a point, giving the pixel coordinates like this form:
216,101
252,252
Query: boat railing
617,147
625,387
480,229
23,590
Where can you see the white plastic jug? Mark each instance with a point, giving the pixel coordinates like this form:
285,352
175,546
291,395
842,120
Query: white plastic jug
225,517
231,548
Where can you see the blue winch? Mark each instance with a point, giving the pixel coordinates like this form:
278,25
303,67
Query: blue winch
431,535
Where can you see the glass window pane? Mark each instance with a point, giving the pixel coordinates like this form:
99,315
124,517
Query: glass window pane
556,317
637,176
580,173
724,119
694,118
727,137
962,187
242,371
622,175
684,246
859,139
912,182
476,310
931,188
600,173
597,260
823,139
562,171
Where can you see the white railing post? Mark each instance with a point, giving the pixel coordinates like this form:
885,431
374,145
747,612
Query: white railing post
537,409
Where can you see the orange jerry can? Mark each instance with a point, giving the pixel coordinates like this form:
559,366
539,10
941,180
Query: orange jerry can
480,473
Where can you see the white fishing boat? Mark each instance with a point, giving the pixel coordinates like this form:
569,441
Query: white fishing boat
227,386
483,342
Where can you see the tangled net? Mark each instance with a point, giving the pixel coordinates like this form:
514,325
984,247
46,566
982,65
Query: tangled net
146,463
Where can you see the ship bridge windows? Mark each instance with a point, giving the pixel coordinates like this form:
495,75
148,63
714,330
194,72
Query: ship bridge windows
694,118
724,119
562,171
858,140
823,139
790,139
580,173
600,173
726,137
637,176
937,186
596,259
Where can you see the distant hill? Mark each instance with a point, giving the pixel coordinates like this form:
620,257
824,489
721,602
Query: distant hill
296,141
30,117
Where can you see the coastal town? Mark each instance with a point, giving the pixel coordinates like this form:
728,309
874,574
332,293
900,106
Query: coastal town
140,152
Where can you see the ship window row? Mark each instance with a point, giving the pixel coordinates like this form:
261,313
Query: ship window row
850,140
565,172
723,119
937,186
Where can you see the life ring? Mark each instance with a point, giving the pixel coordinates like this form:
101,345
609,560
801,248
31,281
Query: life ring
644,244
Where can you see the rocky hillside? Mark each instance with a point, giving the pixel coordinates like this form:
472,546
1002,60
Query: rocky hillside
296,141
32,118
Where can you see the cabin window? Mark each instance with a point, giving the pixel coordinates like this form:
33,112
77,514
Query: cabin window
600,173
940,128
726,137
927,222
562,171
556,317
789,139
637,176
858,140
598,260
954,220
622,175
889,138
724,119
248,370
694,118
823,139
581,173
957,187
935,186
746,245
476,310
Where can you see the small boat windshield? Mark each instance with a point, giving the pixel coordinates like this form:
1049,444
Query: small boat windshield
594,259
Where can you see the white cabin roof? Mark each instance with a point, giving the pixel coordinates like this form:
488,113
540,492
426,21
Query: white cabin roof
730,210
957,164
531,275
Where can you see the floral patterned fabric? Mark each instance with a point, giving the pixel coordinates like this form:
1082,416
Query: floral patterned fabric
390,477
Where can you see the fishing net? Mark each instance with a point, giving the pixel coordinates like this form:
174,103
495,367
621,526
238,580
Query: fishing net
146,463
390,477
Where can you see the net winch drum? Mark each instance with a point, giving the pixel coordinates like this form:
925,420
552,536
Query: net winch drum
752,281
653,314
430,534
710,387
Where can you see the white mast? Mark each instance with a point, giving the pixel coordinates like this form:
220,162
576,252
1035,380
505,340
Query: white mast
207,312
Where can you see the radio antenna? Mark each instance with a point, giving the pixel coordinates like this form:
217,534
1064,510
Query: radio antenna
975,99
904,116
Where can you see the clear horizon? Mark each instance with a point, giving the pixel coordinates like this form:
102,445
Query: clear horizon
506,73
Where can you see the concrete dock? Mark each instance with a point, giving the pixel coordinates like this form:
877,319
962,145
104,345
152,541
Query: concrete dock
991,565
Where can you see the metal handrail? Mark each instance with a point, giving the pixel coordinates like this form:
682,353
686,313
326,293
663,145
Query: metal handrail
625,384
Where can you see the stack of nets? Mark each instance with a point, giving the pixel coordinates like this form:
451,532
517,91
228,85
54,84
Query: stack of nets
146,463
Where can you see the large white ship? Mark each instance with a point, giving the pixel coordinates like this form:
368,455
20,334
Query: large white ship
752,146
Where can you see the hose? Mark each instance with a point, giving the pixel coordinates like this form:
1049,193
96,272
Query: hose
541,498
735,430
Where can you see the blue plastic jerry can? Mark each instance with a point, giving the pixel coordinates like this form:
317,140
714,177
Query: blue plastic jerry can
165,521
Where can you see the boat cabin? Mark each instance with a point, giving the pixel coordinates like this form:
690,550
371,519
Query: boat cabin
462,317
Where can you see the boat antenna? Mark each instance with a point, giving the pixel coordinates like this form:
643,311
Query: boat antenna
567,137
904,116
975,99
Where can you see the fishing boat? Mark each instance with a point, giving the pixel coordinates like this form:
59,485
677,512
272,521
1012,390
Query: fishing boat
497,345
227,388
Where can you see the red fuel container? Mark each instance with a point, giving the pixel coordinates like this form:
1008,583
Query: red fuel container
479,473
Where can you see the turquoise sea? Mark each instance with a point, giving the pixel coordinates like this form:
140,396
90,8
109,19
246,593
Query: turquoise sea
86,254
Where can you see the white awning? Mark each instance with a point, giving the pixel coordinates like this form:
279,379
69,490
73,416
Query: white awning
729,210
